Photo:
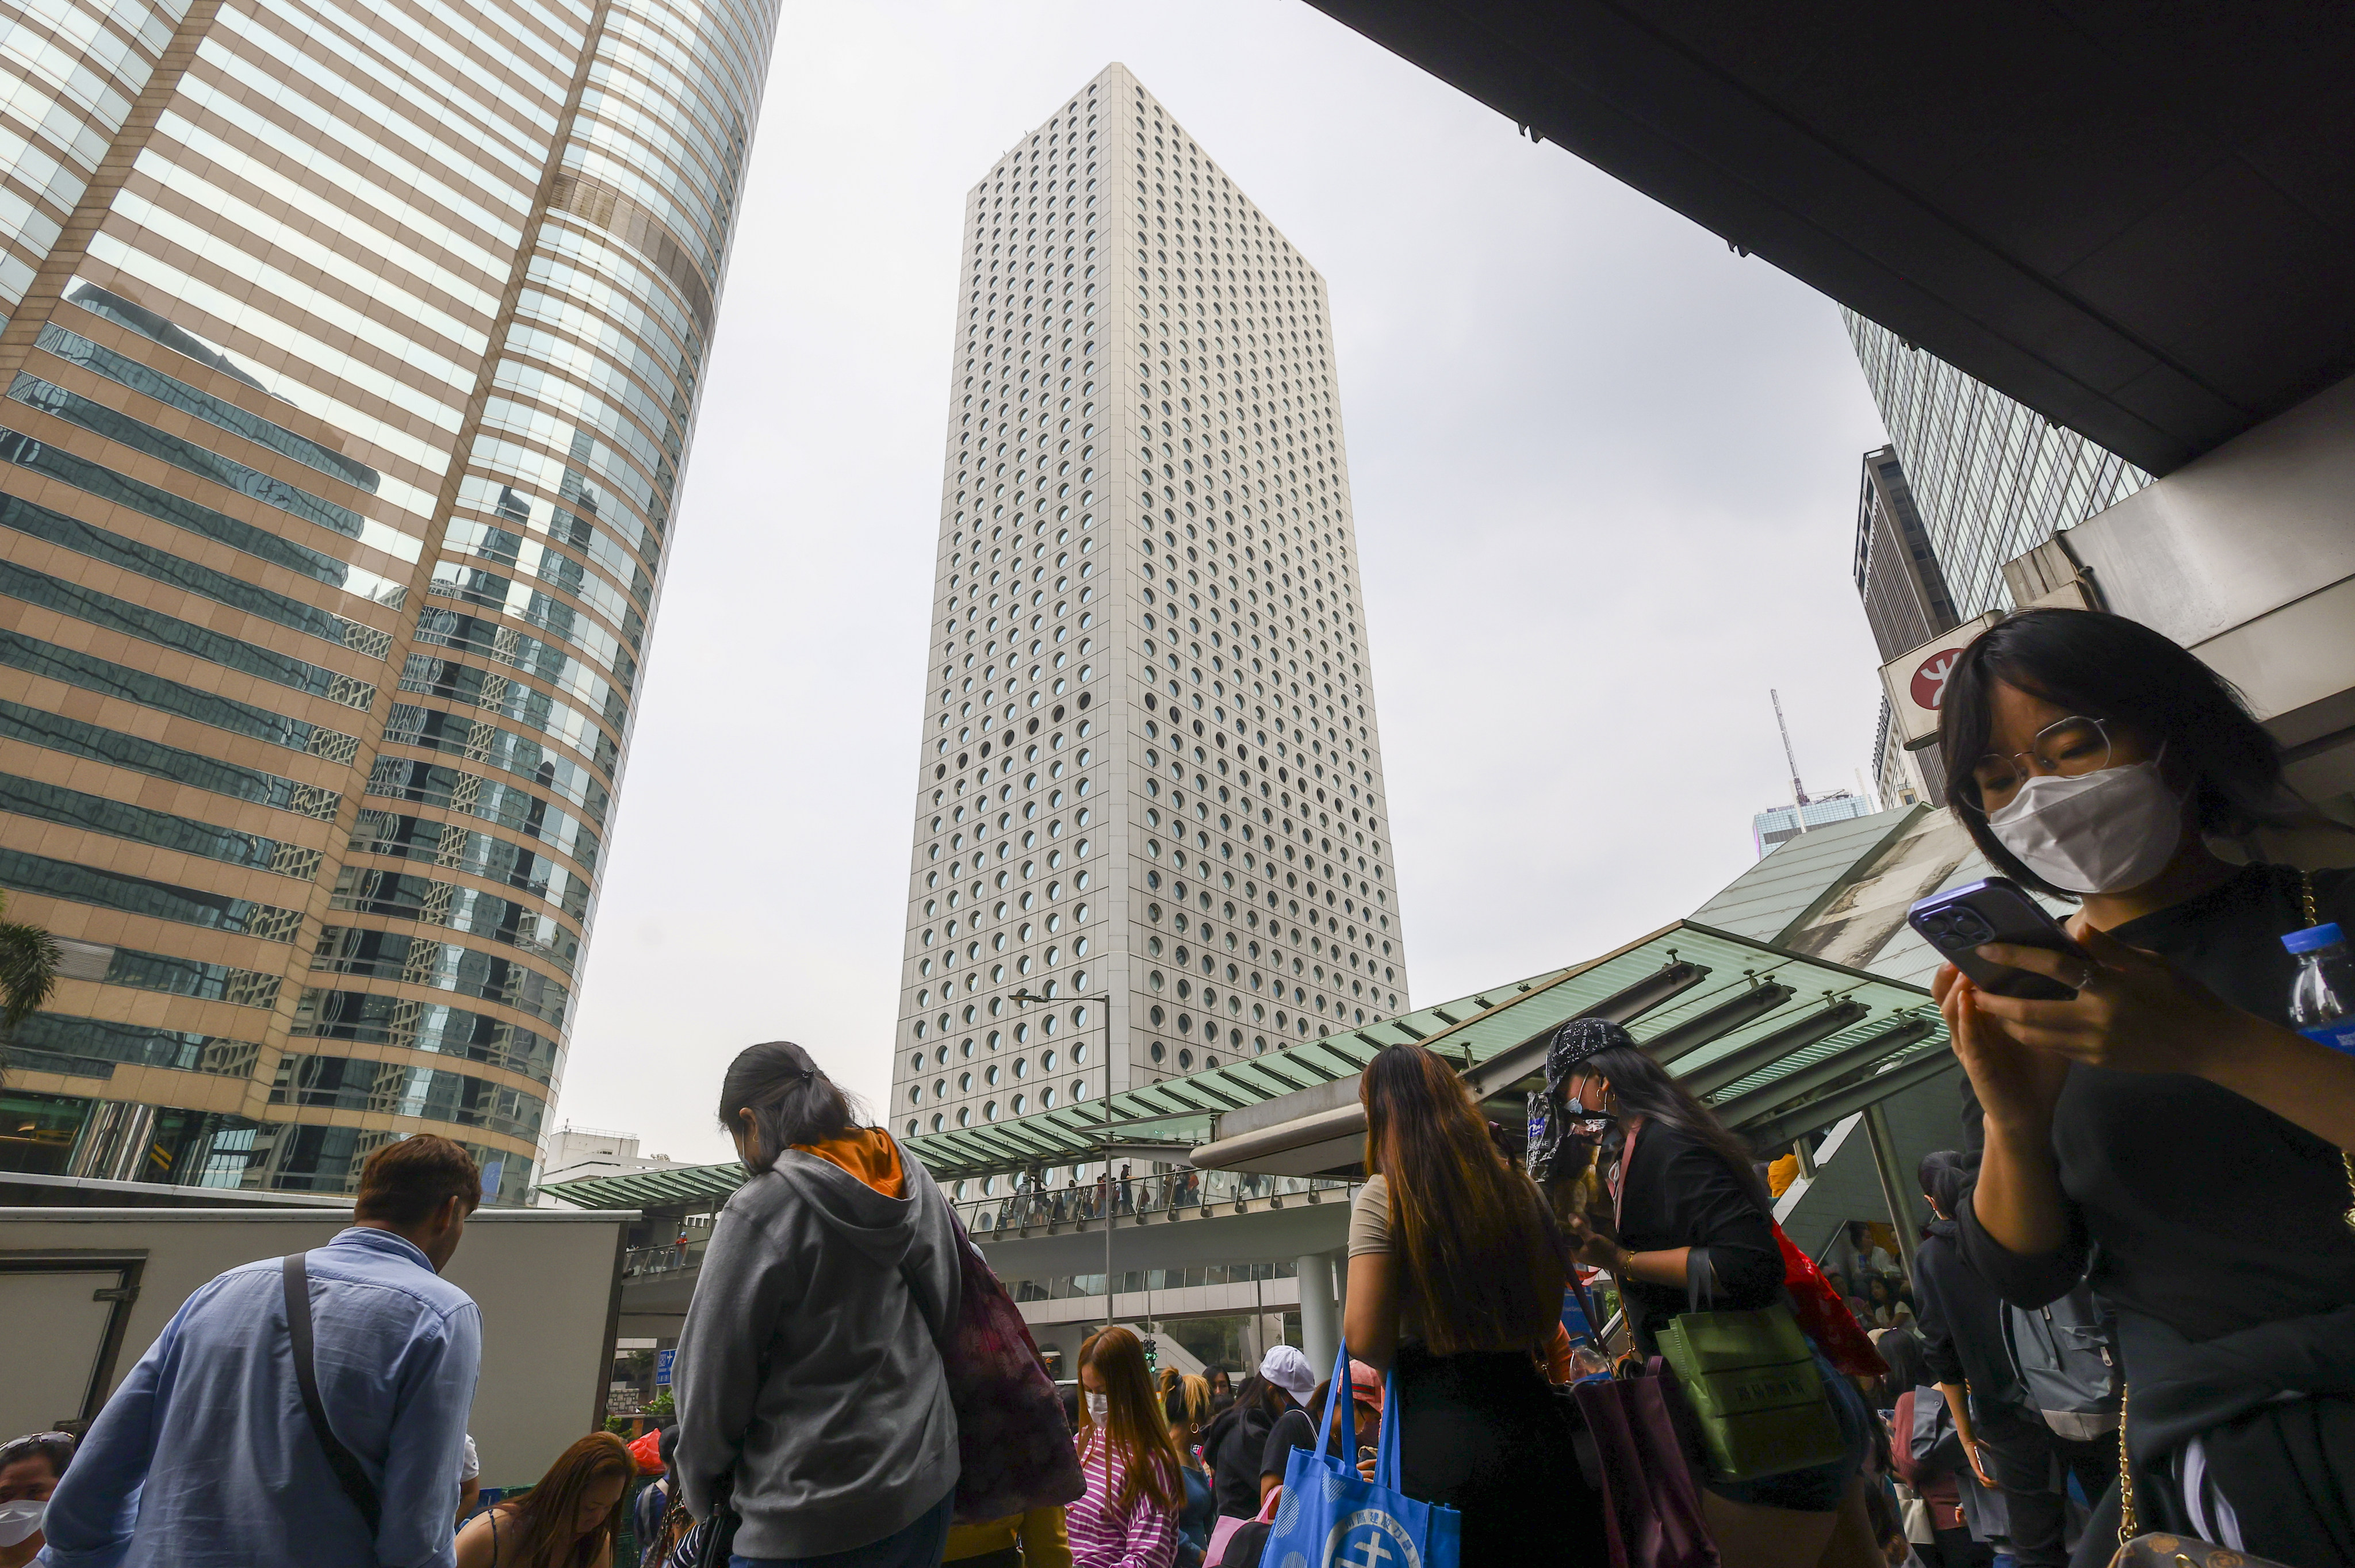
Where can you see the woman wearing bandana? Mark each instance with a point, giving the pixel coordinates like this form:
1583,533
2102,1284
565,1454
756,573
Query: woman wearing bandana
1688,1209
2164,1127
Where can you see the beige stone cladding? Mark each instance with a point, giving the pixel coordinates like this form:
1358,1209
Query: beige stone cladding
1151,834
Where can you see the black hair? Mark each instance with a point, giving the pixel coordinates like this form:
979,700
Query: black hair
57,1447
1946,1177
791,1101
1908,1364
1258,1392
1643,1088
2121,672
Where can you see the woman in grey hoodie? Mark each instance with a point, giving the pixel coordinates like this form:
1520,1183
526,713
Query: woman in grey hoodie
808,1378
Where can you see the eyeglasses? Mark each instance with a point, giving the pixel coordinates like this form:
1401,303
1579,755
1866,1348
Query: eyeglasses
2064,749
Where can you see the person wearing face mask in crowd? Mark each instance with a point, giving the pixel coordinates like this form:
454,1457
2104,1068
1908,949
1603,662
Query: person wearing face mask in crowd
30,1467
1129,1516
2164,1125
1186,1407
1692,1214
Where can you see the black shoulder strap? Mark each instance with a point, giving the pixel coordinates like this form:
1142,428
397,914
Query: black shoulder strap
349,1474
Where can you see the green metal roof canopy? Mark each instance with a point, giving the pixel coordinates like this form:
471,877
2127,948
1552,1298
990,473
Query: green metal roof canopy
1765,1028
1779,1042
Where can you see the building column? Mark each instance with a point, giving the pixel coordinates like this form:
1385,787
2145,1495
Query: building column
1320,1309
1896,1185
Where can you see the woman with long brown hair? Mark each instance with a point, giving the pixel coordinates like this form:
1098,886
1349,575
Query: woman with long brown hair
1457,1276
568,1520
1129,1517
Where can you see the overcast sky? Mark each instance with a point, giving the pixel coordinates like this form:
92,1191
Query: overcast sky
1604,473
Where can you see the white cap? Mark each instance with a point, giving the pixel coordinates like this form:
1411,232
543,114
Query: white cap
1288,1369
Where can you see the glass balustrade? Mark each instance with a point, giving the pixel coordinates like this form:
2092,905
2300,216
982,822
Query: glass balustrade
990,1213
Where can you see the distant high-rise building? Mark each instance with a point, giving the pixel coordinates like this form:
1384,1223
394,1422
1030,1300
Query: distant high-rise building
577,1154
352,359
1989,478
1777,823
1906,603
1151,833
1897,573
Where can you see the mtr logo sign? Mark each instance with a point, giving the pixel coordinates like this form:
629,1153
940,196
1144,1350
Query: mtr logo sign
1915,682
1929,683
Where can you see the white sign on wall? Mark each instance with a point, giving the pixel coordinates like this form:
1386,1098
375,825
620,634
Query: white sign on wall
1917,681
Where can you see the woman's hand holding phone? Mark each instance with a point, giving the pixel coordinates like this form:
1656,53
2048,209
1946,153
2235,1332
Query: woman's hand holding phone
2132,1010
2017,1082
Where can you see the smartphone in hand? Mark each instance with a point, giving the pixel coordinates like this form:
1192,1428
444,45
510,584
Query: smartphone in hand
1993,909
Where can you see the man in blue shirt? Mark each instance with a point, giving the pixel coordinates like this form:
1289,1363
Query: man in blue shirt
204,1455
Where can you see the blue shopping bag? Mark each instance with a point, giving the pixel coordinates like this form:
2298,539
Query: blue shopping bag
1331,1517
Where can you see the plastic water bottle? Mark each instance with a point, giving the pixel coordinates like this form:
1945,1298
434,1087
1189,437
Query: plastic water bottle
2322,999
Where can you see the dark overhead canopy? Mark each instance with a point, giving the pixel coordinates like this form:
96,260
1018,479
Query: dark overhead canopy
2137,219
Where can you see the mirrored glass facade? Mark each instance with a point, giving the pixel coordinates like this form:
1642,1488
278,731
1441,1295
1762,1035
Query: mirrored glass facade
1990,478
1151,834
351,359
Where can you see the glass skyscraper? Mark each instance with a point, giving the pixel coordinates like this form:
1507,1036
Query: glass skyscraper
1990,478
1151,833
352,356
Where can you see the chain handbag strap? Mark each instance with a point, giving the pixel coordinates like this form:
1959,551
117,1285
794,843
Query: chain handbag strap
2127,1529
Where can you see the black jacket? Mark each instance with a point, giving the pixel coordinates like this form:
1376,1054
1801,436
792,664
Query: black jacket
1960,1318
1232,1446
1680,1192
2213,1227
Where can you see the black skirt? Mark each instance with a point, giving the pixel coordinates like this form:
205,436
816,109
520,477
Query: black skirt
1485,1435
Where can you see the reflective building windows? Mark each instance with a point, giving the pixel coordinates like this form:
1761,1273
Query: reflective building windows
257,561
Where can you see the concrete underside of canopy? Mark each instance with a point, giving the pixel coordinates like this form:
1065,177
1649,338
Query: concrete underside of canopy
2131,218
1846,1186
1265,1230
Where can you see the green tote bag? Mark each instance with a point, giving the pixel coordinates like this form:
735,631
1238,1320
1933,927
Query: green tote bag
1751,1379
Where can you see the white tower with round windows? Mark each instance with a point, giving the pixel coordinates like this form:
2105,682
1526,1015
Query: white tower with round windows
1151,834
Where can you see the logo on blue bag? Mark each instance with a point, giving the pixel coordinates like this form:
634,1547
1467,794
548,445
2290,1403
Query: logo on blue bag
1370,1538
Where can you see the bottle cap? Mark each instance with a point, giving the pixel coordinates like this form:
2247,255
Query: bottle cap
2315,936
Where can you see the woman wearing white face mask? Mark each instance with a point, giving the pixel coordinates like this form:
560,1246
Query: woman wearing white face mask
1129,1517
2166,1125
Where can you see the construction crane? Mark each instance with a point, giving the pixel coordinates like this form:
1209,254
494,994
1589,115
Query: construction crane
1798,790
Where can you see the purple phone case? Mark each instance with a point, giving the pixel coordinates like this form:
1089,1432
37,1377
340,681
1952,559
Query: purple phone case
1993,909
